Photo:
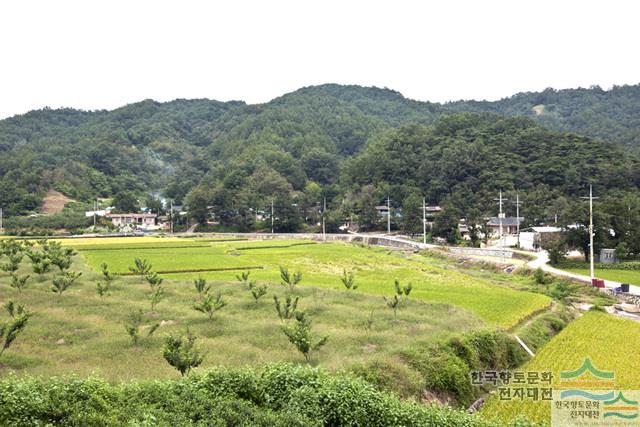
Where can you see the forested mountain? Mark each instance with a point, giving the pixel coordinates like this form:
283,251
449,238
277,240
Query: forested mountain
612,115
350,144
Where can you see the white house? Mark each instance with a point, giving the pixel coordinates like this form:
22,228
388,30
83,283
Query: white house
532,238
139,220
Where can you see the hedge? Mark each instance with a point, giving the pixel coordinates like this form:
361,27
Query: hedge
276,395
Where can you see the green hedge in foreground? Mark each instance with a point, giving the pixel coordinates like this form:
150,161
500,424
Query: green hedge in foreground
277,395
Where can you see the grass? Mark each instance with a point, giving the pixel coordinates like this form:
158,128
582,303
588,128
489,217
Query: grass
81,333
623,276
610,342
243,333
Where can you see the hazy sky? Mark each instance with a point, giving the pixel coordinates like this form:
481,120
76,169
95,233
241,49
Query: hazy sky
104,54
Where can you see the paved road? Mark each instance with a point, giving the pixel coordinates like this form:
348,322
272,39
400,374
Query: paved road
542,259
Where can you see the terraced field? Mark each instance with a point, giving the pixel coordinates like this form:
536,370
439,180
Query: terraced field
611,343
82,333
321,265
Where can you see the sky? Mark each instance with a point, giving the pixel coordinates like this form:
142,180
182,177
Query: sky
105,54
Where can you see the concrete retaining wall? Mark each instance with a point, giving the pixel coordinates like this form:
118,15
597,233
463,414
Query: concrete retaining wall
501,253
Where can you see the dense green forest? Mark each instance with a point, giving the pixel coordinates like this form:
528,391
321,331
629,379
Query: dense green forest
612,115
349,144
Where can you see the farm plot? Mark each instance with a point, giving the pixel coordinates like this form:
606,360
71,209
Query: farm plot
322,264
611,343
83,333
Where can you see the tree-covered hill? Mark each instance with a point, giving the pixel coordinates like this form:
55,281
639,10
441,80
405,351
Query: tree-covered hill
612,115
334,141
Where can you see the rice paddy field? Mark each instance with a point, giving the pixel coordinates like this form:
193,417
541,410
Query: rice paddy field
611,343
82,333
321,265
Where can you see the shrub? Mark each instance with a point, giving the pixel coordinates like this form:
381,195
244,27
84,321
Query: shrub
279,395
539,276
181,352
443,372
393,376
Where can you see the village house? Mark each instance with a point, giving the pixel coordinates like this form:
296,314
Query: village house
533,238
142,220
510,225
382,210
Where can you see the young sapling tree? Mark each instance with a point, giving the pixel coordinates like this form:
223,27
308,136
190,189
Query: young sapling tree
13,263
19,282
258,292
393,303
290,280
134,326
209,305
201,287
286,309
243,278
141,267
301,337
10,330
63,282
348,280
181,352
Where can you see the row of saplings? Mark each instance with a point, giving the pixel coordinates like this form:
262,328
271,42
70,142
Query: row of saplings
50,255
179,351
299,334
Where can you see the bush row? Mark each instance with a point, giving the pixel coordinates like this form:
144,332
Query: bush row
444,370
278,395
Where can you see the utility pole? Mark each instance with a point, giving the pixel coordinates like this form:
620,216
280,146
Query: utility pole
500,218
518,219
388,215
500,201
591,257
271,216
0,218
424,220
171,216
324,208
95,208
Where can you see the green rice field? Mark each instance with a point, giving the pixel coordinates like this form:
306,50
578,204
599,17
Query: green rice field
610,342
82,333
321,265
